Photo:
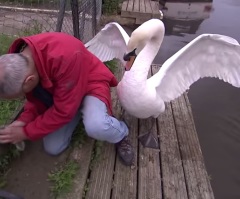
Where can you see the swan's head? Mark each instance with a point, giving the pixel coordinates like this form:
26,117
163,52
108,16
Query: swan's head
151,30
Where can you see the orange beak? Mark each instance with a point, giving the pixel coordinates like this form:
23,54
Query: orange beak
129,58
130,63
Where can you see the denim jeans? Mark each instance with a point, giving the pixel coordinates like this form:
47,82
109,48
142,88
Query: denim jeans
97,122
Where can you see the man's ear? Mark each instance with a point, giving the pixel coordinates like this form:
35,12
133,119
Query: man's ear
29,79
28,83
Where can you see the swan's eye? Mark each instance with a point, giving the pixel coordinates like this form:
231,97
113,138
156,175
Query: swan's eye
127,56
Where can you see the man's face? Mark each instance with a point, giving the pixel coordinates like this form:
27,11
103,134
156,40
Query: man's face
29,83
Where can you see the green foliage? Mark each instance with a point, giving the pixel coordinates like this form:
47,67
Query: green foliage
111,7
96,153
31,29
7,109
112,65
79,137
5,42
62,178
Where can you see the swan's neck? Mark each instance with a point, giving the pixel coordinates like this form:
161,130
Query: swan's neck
143,61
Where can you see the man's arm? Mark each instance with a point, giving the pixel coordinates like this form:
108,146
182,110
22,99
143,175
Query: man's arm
29,114
70,87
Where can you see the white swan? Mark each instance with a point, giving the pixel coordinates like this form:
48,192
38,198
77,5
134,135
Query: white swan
208,55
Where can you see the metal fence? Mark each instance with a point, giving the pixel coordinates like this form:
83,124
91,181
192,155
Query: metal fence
26,17
76,17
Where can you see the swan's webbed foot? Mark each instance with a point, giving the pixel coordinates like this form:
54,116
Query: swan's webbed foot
148,140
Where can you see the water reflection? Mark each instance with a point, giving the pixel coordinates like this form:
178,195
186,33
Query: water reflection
184,17
215,104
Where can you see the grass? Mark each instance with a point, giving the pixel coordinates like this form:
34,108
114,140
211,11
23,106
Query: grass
79,136
112,65
8,109
5,42
62,178
97,149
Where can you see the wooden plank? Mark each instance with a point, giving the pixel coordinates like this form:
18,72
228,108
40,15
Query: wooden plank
142,6
100,182
125,178
127,9
130,5
172,170
195,172
148,6
124,6
155,9
136,6
149,179
82,157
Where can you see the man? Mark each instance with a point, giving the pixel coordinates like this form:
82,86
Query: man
63,82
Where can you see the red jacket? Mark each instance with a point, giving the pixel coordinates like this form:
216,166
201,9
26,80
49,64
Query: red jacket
69,72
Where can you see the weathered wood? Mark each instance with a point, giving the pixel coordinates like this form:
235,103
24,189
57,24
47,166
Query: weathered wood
141,10
142,6
149,179
100,182
124,5
130,5
125,178
83,158
171,164
136,6
155,9
148,8
196,177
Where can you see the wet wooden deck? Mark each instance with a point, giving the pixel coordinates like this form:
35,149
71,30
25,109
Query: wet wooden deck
140,10
175,171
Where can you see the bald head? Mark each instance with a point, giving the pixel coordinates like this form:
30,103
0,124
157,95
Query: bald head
13,71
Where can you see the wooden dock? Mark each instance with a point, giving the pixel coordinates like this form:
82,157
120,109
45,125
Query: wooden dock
140,10
175,171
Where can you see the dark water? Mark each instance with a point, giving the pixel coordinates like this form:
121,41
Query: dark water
215,105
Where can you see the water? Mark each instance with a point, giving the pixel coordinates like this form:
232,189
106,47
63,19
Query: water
215,105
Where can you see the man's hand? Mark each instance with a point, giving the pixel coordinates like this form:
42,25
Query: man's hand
17,123
12,134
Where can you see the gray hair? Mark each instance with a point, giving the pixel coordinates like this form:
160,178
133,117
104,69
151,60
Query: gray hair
14,68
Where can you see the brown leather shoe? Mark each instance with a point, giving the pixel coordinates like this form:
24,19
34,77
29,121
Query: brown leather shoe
125,151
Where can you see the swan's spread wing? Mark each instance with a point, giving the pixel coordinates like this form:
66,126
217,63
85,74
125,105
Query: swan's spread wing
209,55
109,43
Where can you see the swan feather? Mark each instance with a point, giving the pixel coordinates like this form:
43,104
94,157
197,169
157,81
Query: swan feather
208,55
109,43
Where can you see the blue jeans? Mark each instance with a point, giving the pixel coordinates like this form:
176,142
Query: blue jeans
97,122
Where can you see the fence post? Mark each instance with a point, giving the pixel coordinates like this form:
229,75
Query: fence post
75,18
82,12
60,15
94,17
